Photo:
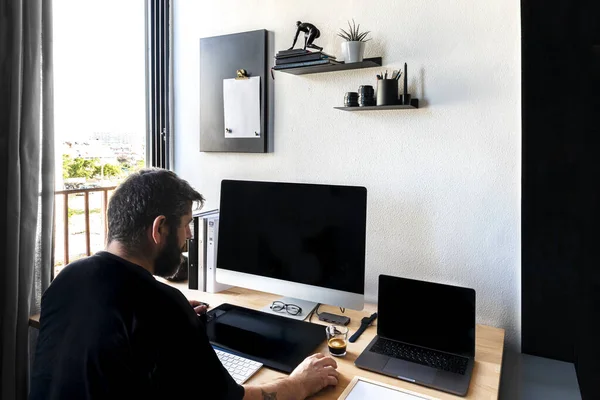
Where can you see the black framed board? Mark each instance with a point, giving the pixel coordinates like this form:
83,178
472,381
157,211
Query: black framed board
220,58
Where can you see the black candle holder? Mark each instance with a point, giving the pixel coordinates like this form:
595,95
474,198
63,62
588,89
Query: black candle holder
366,96
351,99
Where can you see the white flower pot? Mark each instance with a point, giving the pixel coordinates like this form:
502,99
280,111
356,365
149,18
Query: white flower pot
353,51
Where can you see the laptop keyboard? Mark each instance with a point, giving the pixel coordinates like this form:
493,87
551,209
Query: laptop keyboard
419,355
240,368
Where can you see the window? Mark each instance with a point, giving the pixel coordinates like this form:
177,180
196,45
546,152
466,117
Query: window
112,109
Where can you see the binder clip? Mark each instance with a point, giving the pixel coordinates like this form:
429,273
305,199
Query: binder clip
241,74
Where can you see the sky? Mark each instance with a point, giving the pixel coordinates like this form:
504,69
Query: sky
99,67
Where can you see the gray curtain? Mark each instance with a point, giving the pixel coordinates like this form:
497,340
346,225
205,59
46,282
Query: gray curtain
26,180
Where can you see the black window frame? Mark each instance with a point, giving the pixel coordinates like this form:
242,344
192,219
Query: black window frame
159,83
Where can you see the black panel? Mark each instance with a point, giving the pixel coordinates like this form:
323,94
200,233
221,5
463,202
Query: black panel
220,58
561,177
278,342
550,239
587,343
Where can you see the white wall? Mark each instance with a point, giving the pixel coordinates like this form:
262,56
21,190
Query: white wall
443,181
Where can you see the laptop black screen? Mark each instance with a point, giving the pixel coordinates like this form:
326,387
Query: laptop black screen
432,315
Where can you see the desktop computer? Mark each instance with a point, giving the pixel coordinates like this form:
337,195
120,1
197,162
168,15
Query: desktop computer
303,241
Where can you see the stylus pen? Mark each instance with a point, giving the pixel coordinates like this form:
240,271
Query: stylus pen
405,81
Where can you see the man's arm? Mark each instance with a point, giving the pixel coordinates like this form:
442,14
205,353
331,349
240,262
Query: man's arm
295,38
281,390
313,374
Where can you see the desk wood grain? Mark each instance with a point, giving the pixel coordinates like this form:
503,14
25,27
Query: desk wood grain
489,348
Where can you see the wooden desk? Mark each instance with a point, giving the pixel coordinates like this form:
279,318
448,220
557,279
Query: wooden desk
488,352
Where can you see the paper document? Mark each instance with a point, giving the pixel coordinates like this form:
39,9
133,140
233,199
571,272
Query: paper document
241,107
368,391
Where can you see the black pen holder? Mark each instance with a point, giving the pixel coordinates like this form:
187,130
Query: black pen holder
387,92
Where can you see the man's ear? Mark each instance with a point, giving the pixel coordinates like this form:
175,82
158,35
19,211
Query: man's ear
160,230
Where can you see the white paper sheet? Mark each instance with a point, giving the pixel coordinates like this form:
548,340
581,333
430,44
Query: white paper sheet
241,107
369,391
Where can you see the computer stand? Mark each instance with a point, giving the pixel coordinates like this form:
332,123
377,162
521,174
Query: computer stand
306,306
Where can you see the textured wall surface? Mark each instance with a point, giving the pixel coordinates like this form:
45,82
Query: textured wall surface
443,181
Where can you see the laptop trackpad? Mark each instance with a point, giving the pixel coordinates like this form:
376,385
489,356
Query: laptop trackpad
409,371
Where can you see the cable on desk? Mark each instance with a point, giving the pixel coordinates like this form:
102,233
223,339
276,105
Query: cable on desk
315,310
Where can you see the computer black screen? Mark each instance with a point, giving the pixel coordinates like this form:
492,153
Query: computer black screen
305,233
426,314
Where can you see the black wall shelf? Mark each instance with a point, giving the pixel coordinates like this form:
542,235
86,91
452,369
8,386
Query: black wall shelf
414,104
330,67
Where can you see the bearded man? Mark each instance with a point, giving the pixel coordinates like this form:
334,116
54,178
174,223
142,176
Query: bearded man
110,330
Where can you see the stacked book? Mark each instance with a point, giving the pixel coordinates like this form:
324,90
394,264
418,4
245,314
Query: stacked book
302,58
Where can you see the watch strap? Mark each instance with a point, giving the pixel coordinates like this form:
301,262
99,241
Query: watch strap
364,324
358,332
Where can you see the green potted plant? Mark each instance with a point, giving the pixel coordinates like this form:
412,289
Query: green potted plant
353,48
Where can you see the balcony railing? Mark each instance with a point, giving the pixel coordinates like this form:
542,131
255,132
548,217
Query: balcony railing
62,196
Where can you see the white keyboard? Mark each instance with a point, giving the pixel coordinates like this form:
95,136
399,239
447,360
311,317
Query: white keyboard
240,368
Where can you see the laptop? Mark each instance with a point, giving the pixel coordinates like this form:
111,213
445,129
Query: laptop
425,334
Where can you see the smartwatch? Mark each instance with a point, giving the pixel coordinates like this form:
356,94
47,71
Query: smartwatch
364,323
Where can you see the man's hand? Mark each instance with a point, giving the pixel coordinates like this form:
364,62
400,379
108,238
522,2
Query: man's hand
198,306
312,375
315,373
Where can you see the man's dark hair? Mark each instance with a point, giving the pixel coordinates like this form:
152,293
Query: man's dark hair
141,198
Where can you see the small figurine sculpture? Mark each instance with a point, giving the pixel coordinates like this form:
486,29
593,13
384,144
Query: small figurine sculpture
310,33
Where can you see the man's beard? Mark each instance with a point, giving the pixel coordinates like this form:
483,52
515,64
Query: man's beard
169,259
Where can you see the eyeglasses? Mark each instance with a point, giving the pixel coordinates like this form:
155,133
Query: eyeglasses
291,309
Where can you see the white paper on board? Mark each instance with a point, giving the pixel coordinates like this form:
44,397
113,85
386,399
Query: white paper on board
368,391
241,107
